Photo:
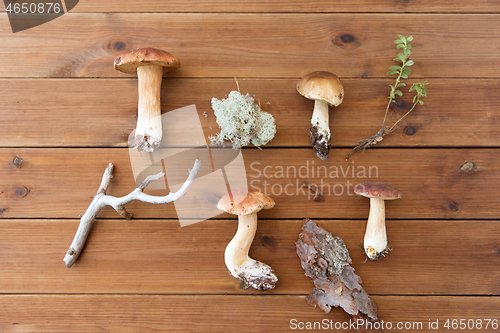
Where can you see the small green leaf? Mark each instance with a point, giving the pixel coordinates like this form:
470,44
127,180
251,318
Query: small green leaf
408,46
409,63
396,59
403,38
400,46
402,84
404,76
397,41
417,86
421,102
394,68
410,38
391,72
407,70
401,57
414,98
398,92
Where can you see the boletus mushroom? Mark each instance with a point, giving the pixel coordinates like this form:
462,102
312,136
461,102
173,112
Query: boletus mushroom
150,64
325,89
375,242
246,204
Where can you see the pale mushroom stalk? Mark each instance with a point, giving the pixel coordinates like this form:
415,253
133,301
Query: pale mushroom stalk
319,131
326,90
150,65
375,242
238,262
148,132
246,203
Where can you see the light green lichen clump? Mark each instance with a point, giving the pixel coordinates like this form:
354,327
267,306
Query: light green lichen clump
242,121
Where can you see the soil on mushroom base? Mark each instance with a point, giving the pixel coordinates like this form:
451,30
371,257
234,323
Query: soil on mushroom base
319,142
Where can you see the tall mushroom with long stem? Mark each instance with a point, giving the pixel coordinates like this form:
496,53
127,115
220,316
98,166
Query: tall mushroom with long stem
325,89
246,204
150,64
375,242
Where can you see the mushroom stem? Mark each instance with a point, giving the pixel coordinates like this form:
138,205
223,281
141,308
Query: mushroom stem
148,133
375,242
319,130
254,273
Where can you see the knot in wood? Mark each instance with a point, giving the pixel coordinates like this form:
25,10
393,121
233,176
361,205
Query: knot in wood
17,161
21,191
468,167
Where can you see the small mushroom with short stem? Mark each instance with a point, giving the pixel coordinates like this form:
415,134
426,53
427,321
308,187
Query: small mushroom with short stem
325,89
150,64
246,204
375,242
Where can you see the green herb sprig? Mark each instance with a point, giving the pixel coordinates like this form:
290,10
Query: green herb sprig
403,71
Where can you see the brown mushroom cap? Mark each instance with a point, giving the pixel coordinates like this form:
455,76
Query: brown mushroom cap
247,202
323,86
378,190
128,62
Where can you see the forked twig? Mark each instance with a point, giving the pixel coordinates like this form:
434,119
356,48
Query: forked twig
102,200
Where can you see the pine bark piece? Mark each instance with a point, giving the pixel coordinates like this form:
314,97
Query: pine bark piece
325,259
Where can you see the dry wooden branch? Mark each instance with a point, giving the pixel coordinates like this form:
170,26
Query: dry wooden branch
102,200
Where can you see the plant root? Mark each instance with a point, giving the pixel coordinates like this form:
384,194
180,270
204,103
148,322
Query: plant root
373,140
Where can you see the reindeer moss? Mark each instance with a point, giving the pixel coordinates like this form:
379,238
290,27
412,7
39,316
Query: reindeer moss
242,121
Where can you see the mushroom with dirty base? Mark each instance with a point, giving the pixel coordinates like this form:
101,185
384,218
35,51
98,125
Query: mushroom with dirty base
150,64
375,242
325,89
246,204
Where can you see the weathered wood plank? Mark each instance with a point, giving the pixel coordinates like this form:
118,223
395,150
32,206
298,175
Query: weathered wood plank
160,257
227,45
436,183
102,113
291,6
155,313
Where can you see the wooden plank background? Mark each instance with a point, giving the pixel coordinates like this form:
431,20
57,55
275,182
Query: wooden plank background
220,45
458,113
116,248
66,113
282,6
